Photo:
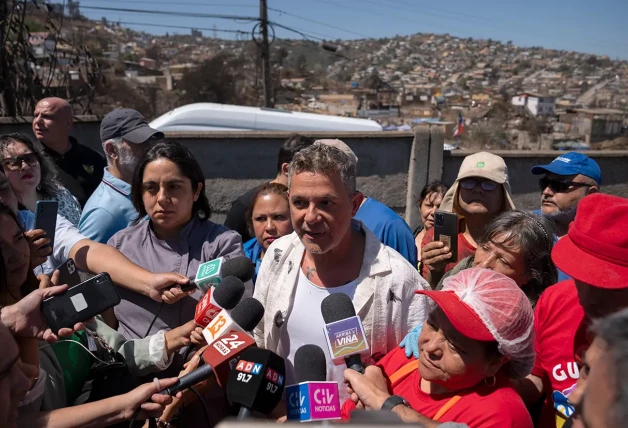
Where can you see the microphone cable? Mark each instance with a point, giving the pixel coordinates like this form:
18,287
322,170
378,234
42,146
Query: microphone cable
161,305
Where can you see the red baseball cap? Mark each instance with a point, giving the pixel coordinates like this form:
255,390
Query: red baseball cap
461,316
595,249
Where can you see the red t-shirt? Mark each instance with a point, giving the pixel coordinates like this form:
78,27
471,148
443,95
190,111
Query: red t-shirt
465,249
483,407
561,337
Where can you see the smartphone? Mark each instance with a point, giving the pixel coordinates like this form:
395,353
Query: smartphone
190,286
446,231
46,218
68,274
81,302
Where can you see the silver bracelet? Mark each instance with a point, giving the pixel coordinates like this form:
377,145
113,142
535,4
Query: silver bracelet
162,424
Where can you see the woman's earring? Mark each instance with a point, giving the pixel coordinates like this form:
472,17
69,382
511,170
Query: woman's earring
491,384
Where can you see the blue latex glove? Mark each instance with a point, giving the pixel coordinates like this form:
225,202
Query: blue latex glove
411,342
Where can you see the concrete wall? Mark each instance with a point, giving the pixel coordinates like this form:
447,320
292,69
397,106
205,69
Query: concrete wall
525,187
393,166
233,162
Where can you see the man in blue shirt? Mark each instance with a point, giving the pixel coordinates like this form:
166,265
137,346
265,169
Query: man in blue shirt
389,228
566,180
125,137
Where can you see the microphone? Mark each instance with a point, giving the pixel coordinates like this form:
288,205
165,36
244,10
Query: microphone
211,273
244,317
344,332
312,399
256,382
218,357
225,295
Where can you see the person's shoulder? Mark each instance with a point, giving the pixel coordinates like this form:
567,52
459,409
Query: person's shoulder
130,233
88,152
395,360
559,294
374,208
502,407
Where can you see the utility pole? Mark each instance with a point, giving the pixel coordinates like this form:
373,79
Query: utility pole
266,72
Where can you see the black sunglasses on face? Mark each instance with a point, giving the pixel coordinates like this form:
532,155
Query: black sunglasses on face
559,186
15,163
470,183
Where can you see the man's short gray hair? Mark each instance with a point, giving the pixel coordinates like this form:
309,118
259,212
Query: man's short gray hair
613,330
115,141
326,160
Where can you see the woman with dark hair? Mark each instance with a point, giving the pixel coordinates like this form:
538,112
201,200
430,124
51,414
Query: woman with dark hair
429,202
33,176
169,188
519,245
268,219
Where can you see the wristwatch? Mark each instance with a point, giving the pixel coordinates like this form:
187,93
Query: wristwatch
392,401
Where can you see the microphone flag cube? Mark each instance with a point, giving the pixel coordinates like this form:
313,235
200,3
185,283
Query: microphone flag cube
345,338
313,401
209,274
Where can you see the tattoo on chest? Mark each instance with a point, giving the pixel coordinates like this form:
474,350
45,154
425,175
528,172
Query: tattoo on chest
309,272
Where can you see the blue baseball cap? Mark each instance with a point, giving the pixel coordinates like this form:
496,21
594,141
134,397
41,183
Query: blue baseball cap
571,163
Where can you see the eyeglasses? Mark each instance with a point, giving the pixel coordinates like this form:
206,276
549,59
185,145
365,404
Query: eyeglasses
470,183
559,186
15,163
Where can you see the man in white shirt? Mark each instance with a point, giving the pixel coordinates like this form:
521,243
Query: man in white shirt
331,253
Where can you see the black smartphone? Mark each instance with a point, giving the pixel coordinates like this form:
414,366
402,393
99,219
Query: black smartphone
68,273
46,218
190,286
446,231
81,302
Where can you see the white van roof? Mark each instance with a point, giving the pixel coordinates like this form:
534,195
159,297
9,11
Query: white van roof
226,117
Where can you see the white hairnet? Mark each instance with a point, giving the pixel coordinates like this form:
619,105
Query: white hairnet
504,310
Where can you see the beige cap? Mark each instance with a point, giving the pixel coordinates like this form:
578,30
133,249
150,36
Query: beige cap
339,144
484,165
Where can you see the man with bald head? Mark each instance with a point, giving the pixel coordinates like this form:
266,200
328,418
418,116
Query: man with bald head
80,168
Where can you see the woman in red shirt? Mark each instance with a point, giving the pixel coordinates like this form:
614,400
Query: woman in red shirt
479,335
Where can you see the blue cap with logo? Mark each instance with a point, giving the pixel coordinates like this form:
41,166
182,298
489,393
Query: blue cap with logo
571,163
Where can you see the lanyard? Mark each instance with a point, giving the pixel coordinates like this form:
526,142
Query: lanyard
406,371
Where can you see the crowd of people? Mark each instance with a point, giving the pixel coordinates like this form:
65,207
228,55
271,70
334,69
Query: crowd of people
524,325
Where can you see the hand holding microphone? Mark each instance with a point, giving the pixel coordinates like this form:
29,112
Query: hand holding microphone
230,341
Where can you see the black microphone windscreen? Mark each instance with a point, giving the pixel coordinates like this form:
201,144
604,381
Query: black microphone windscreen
336,307
229,292
241,267
248,313
257,380
310,364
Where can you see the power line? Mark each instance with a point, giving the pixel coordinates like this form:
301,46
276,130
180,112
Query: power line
185,27
318,22
168,3
301,33
173,13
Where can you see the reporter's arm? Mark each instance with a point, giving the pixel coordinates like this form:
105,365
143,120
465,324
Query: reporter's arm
96,258
105,412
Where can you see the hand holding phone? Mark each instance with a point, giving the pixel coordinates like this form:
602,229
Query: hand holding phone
81,302
444,249
46,218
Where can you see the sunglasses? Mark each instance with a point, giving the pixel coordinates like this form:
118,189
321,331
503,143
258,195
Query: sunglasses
15,163
470,183
559,186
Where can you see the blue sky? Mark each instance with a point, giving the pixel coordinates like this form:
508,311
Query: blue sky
599,27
